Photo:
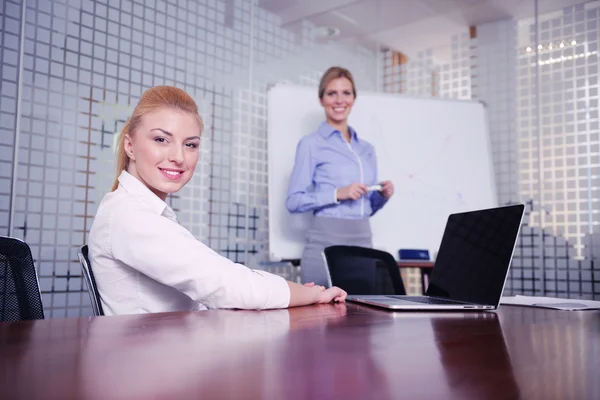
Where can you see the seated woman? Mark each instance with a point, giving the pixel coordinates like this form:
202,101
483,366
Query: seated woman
143,260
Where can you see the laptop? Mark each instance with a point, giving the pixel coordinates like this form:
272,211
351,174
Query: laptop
471,267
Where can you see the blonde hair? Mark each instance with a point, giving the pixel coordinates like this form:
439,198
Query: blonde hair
152,100
335,73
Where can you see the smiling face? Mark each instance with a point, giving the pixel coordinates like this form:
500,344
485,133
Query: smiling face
163,151
337,100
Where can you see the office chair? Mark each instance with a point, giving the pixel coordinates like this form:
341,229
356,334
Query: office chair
90,281
359,270
20,297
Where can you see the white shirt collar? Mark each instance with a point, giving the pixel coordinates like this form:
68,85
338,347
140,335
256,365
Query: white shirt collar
136,188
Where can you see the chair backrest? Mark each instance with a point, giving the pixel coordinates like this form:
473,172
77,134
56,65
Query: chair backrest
359,270
90,281
20,297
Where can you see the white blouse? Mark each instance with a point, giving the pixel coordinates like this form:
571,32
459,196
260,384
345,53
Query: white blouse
145,262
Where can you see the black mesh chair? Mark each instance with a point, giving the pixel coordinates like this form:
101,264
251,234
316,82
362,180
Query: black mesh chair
90,281
20,297
359,270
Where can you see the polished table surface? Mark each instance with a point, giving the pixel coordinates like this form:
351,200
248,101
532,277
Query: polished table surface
320,352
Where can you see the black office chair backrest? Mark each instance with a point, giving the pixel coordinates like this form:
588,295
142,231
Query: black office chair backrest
90,281
359,270
20,297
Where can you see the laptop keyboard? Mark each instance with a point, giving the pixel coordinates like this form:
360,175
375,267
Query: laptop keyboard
425,300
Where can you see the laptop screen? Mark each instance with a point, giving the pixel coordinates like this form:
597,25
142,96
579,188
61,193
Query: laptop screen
475,254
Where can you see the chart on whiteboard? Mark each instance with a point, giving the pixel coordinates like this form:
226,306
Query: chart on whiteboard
415,172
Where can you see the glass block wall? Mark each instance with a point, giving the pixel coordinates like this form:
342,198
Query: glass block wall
539,80
559,146
11,23
427,74
73,69
84,66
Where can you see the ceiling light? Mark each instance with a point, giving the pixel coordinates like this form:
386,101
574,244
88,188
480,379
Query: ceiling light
567,58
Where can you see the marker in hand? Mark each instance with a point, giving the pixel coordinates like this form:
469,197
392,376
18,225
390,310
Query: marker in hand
373,188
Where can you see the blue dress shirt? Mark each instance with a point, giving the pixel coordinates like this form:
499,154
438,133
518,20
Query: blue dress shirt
325,162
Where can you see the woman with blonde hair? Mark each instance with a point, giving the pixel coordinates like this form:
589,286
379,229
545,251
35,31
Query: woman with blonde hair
335,178
143,260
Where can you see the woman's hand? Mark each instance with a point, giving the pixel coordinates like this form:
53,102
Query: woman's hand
309,293
387,189
334,293
353,191
312,284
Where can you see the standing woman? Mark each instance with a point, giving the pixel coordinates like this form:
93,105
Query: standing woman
333,170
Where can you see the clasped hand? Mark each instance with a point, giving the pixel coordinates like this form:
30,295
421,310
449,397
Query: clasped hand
355,190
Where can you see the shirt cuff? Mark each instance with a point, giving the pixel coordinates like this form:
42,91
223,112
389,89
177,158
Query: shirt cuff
377,201
377,196
279,293
335,200
325,198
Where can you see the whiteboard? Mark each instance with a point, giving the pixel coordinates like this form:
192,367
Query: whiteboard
436,152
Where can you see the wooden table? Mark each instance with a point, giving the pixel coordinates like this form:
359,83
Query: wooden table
322,352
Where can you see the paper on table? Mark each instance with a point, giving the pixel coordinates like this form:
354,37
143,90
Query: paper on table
550,302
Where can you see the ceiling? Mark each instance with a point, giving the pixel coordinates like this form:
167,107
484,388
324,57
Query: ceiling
408,26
